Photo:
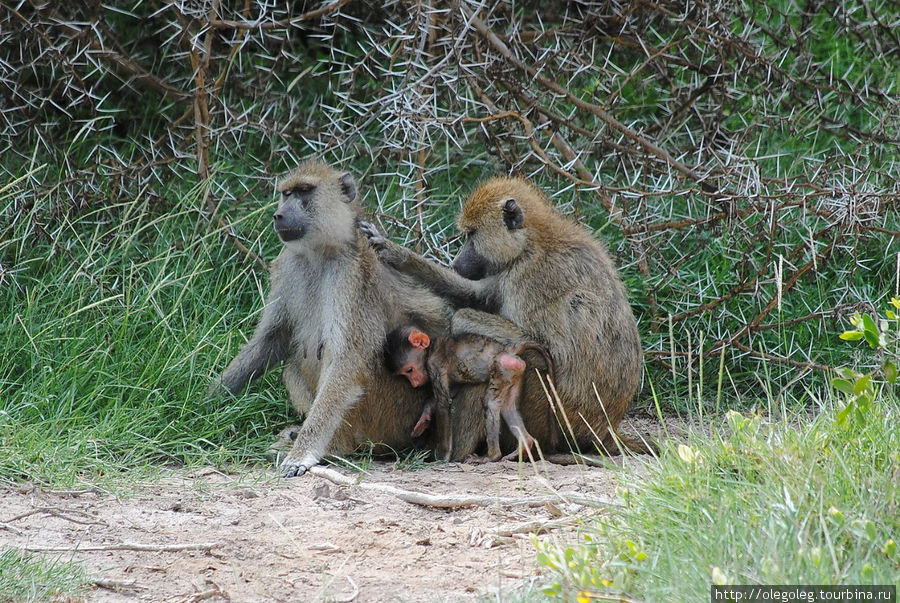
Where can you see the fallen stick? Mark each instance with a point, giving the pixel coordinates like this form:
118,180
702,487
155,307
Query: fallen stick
125,546
457,501
537,527
113,584
207,594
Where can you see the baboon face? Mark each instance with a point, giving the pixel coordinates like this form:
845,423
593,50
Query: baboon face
316,202
405,353
494,222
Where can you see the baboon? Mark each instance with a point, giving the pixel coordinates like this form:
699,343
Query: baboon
331,304
527,272
465,359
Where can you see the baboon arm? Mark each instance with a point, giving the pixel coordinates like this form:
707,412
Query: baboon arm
487,325
447,283
339,390
442,280
265,349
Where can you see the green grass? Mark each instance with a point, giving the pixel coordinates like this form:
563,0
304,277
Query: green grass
116,325
27,577
121,300
796,501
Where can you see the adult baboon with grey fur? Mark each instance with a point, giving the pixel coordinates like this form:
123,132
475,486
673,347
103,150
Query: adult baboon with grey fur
329,309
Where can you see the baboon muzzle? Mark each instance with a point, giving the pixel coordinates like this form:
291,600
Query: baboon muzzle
288,229
469,263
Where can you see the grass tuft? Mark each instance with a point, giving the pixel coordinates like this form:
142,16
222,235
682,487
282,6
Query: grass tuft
797,501
27,577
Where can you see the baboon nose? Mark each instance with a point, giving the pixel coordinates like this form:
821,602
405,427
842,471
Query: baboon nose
279,216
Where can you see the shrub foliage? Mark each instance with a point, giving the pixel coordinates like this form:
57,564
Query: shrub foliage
740,158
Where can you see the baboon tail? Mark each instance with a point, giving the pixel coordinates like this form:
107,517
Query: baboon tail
613,444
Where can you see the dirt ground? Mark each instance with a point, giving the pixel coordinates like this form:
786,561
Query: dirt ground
212,536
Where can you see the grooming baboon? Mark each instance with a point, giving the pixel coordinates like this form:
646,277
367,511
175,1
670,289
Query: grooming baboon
330,307
527,272
465,359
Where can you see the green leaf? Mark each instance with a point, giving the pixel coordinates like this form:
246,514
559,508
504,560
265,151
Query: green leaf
871,529
851,335
867,572
895,302
862,384
890,372
842,385
844,414
848,373
735,420
870,330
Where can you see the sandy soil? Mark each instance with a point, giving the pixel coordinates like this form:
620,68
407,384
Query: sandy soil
248,536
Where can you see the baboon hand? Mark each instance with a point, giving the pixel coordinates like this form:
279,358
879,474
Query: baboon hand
292,468
389,252
295,467
376,239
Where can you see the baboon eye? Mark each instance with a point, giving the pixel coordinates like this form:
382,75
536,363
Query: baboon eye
301,192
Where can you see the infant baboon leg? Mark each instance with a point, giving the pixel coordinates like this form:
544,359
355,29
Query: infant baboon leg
525,441
510,369
443,448
468,421
492,424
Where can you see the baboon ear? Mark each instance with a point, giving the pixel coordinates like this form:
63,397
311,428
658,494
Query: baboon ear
419,340
513,216
348,187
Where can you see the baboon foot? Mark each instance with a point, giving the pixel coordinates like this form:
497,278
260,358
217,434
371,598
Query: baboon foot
515,455
523,451
482,460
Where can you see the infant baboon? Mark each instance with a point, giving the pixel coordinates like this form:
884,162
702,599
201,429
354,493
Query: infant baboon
465,359
526,272
330,307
